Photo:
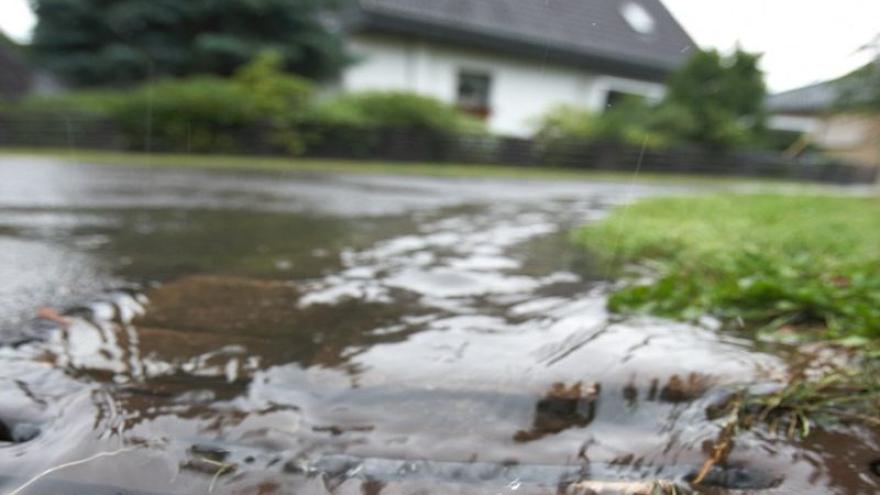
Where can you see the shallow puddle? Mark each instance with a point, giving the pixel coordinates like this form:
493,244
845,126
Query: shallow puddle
252,334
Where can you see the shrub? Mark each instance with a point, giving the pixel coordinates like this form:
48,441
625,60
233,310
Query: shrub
353,119
272,93
633,121
211,114
204,114
395,109
198,114
713,100
637,122
96,103
567,122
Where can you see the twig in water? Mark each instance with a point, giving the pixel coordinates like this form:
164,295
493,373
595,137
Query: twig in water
720,451
223,468
69,464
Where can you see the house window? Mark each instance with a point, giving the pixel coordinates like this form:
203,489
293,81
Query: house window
474,89
638,18
614,98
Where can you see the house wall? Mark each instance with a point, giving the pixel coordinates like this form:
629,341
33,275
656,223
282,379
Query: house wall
851,137
521,90
795,123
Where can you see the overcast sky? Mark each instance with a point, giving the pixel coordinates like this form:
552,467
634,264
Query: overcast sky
803,41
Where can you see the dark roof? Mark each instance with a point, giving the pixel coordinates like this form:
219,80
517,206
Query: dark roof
584,32
820,96
808,99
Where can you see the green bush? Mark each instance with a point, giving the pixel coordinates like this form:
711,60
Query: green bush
633,121
209,113
566,122
637,122
713,100
203,114
212,114
96,103
351,119
195,114
393,109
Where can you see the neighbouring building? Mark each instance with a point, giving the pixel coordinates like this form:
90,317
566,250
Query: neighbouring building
510,61
812,111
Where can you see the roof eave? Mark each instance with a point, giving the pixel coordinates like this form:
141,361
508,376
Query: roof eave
804,111
387,23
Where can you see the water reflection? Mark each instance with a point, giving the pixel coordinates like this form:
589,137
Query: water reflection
562,408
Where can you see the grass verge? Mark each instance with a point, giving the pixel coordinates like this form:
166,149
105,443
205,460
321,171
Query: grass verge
288,164
805,266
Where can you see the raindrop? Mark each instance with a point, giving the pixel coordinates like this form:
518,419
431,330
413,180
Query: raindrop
514,485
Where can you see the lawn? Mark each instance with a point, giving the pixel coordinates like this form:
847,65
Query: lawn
296,164
808,266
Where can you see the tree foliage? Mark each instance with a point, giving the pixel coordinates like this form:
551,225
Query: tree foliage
724,96
712,100
122,42
860,90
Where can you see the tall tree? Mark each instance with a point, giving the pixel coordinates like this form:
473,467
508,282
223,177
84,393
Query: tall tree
120,42
860,89
724,95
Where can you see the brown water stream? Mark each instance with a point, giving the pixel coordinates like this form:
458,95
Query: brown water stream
261,334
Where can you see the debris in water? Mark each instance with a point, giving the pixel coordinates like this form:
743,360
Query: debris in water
562,408
51,314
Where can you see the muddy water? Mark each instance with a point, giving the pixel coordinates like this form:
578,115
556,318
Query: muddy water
256,333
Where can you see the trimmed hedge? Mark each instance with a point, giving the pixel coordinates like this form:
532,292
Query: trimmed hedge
259,109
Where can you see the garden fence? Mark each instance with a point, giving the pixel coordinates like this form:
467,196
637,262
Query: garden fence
422,145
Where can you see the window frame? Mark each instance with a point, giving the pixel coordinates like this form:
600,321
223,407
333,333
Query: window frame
480,104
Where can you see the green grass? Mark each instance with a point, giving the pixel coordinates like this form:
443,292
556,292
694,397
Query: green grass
287,164
806,265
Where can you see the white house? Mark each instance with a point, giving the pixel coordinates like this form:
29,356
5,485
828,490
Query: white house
510,61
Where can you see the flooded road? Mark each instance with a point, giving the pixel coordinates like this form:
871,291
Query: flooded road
275,333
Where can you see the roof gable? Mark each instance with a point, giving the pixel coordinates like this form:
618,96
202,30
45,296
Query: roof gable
581,31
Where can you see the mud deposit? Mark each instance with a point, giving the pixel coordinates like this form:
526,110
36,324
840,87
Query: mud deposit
262,334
